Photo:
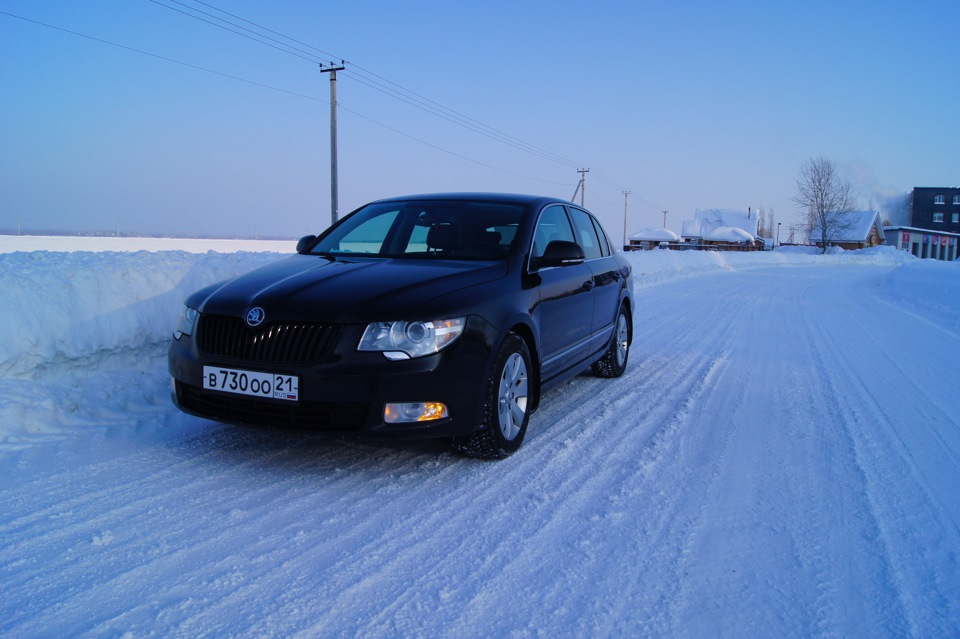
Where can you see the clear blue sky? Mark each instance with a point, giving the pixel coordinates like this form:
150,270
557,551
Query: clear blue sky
685,104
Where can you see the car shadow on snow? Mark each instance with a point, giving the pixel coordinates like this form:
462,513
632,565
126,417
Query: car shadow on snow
299,450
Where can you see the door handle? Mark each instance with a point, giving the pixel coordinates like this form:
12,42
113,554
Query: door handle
588,285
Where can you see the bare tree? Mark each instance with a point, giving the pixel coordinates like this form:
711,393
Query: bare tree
826,198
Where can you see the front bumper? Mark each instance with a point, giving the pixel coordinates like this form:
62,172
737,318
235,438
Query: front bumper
346,391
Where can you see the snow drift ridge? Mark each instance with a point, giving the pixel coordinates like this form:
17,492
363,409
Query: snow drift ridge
64,306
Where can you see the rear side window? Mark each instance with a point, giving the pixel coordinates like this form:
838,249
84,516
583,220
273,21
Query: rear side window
604,242
586,234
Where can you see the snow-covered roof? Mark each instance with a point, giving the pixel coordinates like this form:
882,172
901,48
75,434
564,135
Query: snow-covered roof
655,235
856,228
706,220
728,234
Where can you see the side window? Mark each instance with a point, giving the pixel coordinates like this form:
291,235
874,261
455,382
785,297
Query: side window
586,234
604,242
553,225
418,240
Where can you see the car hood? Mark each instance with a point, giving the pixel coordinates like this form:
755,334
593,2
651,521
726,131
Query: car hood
345,290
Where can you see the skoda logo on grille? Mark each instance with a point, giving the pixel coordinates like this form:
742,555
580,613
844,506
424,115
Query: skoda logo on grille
255,316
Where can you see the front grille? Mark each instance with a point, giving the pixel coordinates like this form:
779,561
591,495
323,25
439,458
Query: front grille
288,343
344,416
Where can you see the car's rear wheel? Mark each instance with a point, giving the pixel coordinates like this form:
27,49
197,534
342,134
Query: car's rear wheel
614,362
507,402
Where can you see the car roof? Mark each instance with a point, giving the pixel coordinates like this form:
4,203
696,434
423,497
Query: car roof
512,198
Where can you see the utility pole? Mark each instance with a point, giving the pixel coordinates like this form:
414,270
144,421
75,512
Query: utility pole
665,218
625,194
334,189
583,182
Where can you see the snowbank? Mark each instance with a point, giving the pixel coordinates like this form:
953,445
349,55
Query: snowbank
64,306
68,305
656,267
782,466
26,243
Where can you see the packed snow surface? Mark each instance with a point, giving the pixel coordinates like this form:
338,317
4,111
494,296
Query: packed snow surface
781,459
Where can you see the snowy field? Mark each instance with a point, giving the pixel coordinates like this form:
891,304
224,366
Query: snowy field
781,459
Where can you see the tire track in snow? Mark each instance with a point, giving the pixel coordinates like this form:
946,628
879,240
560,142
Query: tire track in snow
663,401
199,555
561,458
622,513
765,535
708,426
836,488
920,514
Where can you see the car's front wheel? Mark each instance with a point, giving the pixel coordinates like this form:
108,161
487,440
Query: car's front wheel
507,402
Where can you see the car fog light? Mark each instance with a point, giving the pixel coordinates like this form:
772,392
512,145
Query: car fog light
414,412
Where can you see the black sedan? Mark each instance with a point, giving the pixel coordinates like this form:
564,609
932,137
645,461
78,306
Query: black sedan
430,316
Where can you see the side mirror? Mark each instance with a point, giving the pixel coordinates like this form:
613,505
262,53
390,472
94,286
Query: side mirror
306,243
561,253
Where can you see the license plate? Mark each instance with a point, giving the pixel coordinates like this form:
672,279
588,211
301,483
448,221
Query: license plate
256,384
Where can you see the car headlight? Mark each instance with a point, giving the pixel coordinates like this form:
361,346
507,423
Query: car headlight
187,322
405,340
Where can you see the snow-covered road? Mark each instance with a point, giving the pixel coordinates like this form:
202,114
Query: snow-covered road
781,459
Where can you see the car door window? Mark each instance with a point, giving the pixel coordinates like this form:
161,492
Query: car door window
553,225
604,242
586,234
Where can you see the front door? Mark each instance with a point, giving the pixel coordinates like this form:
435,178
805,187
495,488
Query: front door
566,299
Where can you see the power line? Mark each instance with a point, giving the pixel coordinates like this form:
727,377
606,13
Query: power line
278,89
164,58
468,121
373,81
447,151
380,83
485,131
387,87
417,101
282,47
263,28
358,74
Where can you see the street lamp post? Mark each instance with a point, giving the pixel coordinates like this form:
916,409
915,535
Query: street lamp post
778,233
625,194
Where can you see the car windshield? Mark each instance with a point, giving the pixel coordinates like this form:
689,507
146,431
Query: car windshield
446,229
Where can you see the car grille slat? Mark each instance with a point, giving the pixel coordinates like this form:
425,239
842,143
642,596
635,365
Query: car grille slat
288,343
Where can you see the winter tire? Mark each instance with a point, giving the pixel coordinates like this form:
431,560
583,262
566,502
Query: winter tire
507,402
614,362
